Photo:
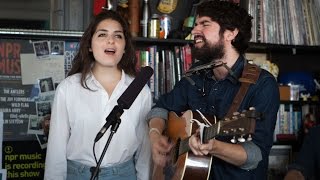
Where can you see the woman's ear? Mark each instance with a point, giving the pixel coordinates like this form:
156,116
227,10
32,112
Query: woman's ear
90,50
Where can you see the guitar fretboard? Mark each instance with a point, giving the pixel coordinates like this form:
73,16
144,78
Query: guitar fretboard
209,133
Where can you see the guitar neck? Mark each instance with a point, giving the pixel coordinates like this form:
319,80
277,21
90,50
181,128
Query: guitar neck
237,126
209,133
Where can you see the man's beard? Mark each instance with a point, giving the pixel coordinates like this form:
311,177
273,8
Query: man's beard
209,53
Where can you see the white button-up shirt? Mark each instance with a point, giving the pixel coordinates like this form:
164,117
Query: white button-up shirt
77,116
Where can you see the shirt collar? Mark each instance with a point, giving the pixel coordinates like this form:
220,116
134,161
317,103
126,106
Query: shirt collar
236,70
91,80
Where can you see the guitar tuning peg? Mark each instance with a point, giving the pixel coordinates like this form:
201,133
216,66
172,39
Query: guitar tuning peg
235,113
249,137
233,140
227,119
241,139
252,108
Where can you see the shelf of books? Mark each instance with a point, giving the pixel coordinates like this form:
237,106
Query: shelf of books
294,22
294,119
169,65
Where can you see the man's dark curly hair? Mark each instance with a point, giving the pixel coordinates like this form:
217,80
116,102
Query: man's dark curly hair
229,16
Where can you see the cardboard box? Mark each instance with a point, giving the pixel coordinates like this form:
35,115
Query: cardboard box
284,93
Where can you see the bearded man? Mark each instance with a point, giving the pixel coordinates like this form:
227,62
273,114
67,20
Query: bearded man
221,36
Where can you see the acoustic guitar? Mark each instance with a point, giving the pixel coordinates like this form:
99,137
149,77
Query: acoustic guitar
182,163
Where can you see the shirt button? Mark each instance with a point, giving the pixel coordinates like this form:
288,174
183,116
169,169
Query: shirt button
212,107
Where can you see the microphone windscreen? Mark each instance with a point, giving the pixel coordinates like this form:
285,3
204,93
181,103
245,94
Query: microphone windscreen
133,90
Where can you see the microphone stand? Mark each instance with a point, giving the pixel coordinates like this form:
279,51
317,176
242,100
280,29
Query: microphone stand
114,128
124,102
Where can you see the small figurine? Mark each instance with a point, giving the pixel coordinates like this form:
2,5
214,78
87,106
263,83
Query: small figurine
309,121
305,96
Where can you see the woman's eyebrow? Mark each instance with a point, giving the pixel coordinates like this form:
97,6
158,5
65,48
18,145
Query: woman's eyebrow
105,30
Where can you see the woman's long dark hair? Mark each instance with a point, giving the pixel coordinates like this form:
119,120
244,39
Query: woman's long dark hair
83,60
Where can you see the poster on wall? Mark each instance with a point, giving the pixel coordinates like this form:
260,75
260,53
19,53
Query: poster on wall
19,101
71,48
16,100
10,51
25,106
23,160
1,136
33,69
3,174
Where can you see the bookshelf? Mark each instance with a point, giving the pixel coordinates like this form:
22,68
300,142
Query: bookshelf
284,22
289,57
293,59
169,58
287,32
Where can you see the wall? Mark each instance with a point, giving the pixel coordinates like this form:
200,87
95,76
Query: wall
25,10
45,14
67,14
31,14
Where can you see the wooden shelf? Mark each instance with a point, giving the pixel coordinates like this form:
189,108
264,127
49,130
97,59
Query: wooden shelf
139,40
301,102
253,46
76,35
291,49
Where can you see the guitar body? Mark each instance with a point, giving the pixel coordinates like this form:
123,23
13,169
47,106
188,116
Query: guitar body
181,162
187,165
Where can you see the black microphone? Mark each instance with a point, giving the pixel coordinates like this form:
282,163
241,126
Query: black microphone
127,98
131,93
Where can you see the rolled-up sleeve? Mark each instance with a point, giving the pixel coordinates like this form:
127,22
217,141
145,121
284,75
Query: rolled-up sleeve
253,155
157,112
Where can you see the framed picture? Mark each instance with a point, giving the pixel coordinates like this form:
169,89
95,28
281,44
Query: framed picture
46,84
41,49
57,47
42,140
34,125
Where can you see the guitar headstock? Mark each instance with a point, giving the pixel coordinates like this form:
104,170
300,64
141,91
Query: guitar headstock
240,124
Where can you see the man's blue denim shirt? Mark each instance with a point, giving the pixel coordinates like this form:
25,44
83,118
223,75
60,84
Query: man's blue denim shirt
213,97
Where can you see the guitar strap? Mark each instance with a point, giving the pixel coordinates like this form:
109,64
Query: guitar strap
250,75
